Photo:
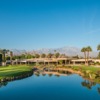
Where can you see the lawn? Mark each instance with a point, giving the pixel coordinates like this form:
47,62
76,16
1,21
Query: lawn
12,71
85,68
89,72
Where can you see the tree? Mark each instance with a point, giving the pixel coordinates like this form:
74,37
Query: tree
4,52
98,49
43,55
15,57
57,55
7,58
0,58
88,49
49,55
98,55
37,55
84,51
22,56
62,56
75,56
11,56
28,56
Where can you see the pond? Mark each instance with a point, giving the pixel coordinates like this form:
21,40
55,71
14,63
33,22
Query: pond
50,87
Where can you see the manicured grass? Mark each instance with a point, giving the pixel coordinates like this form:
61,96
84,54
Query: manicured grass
12,71
85,68
90,72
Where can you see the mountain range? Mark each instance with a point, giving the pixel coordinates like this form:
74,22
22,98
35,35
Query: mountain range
69,51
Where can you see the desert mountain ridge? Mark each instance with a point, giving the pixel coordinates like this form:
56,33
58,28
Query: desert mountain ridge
69,51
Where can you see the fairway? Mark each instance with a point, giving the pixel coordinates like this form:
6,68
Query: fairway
11,71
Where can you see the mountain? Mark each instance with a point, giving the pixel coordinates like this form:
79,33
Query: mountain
69,51
18,52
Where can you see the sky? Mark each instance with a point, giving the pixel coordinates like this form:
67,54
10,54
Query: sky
34,24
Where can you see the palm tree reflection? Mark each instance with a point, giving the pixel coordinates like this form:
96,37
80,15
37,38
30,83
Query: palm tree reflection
88,84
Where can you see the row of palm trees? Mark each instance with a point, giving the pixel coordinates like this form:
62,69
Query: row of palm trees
86,51
4,52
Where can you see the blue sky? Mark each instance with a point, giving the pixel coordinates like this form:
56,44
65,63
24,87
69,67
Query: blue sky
33,24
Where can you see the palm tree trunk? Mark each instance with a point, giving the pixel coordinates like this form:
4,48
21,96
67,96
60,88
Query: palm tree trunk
4,60
11,60
85,58
88,58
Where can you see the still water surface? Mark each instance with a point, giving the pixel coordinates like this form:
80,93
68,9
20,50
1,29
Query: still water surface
72,87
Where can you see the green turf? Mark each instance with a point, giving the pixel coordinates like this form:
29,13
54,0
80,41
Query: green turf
10,71
89,72
84,68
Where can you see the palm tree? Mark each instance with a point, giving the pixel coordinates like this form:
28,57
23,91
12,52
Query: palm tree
84,51
3,52
0,58
98,49
57,55
88,49
11,55
54,53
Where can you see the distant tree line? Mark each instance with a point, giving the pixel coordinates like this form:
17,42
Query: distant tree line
8,55
43,55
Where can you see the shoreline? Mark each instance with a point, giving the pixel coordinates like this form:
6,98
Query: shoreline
8,79
10,73
88,73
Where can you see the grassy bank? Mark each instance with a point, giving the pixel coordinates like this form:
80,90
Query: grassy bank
14,72
90,72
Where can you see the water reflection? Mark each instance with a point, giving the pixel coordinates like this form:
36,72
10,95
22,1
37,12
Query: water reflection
37,74
43,74
85,83
99,90
2,84
50,75
57,75
88,84
64,72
